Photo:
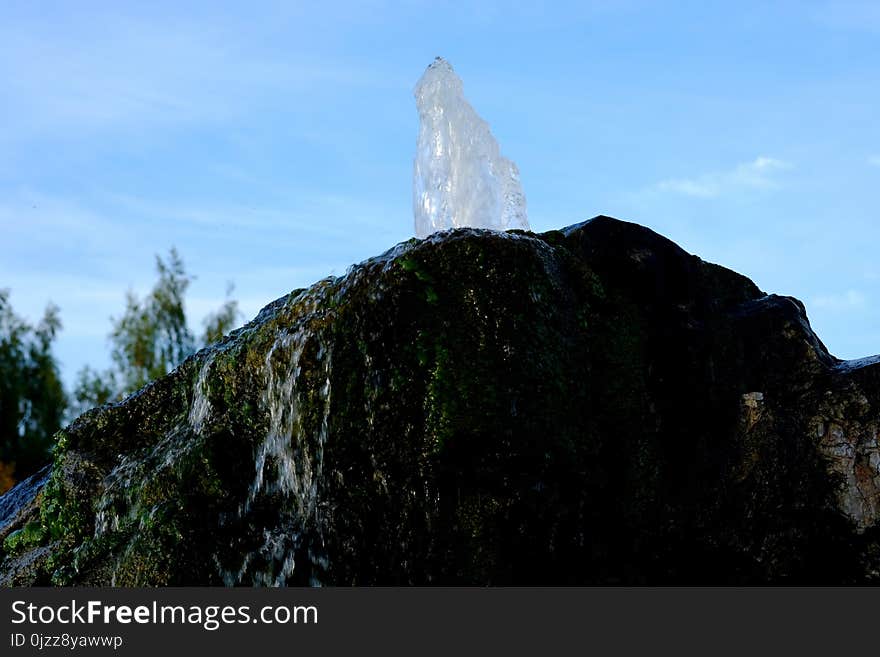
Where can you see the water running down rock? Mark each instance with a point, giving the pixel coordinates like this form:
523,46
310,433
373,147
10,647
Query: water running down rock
590,405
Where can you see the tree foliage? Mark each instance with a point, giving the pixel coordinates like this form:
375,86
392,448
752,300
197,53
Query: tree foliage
221,322
32,399
148,340
152,336
92,388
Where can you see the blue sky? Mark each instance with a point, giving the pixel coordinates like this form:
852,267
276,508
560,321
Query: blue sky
272,143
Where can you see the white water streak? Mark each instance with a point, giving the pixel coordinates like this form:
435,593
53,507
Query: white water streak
200,409
289,461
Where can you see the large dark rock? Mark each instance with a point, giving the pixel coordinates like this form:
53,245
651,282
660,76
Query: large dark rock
591,405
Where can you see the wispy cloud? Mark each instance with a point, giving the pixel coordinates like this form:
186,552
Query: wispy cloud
844,301
757,174
40,228
140,74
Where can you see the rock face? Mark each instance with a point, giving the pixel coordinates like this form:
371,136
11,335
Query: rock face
591,405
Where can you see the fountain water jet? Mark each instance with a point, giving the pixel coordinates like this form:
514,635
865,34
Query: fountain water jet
460,177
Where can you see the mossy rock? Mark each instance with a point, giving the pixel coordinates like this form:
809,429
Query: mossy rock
587,406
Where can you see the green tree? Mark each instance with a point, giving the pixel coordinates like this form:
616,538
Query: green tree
32,399
92,388
221,322
151,337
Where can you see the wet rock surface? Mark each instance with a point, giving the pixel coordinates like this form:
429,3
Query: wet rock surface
591,405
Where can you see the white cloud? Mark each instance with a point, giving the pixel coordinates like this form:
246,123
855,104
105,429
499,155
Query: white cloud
40,231
702,188
844,301
139,74
757,174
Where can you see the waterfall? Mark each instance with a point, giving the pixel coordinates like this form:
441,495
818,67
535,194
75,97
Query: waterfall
289,460
200,408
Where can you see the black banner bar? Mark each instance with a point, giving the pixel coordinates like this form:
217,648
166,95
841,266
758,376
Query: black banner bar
414,621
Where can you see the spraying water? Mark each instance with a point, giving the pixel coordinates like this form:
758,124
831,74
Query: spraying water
460,177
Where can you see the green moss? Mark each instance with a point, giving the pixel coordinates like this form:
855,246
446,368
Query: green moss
31,535
60,518
555,238
61,441
502,410
440,401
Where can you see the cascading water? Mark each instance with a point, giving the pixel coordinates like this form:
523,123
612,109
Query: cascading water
288,462
200,408
272,531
